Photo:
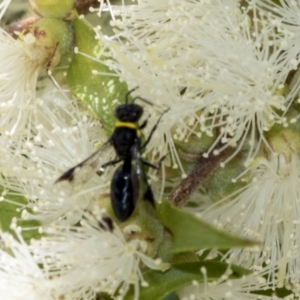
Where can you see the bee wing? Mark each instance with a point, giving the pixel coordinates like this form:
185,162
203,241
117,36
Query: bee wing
136,171
141,187
81,173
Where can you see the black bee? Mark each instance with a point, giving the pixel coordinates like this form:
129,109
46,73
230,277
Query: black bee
129,182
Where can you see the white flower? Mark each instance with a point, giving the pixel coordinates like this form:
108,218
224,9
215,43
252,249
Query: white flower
267,210
213,54
63,136
88,259
227,288
20,275
285,16
21,61
18,77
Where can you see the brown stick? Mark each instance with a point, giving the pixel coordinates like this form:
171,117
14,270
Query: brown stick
200,173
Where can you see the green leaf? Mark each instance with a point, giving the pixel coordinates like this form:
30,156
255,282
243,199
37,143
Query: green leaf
171,297
99,92
282,293
180,275
220,185
192,234
103,296
9,210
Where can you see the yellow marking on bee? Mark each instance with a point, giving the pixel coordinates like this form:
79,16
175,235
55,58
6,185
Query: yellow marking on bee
129,125
125,124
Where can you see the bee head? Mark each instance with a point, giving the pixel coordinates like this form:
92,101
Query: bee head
129,112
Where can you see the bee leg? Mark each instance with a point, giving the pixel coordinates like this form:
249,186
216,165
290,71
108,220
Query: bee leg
156,167
153,129
105,223
148,196
109,163
144,124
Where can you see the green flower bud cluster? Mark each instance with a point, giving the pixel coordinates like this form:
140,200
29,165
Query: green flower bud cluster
52,35
52,8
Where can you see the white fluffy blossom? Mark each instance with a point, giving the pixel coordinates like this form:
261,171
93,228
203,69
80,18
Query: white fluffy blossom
221,69
285,17
63,135
86,260
20,275
73,262
18,77
210,62
227,288
267,210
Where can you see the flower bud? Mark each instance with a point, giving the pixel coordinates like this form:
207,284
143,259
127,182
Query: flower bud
52,8
46,41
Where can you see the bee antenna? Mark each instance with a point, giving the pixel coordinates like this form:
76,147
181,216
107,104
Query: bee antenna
128,93
143,99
